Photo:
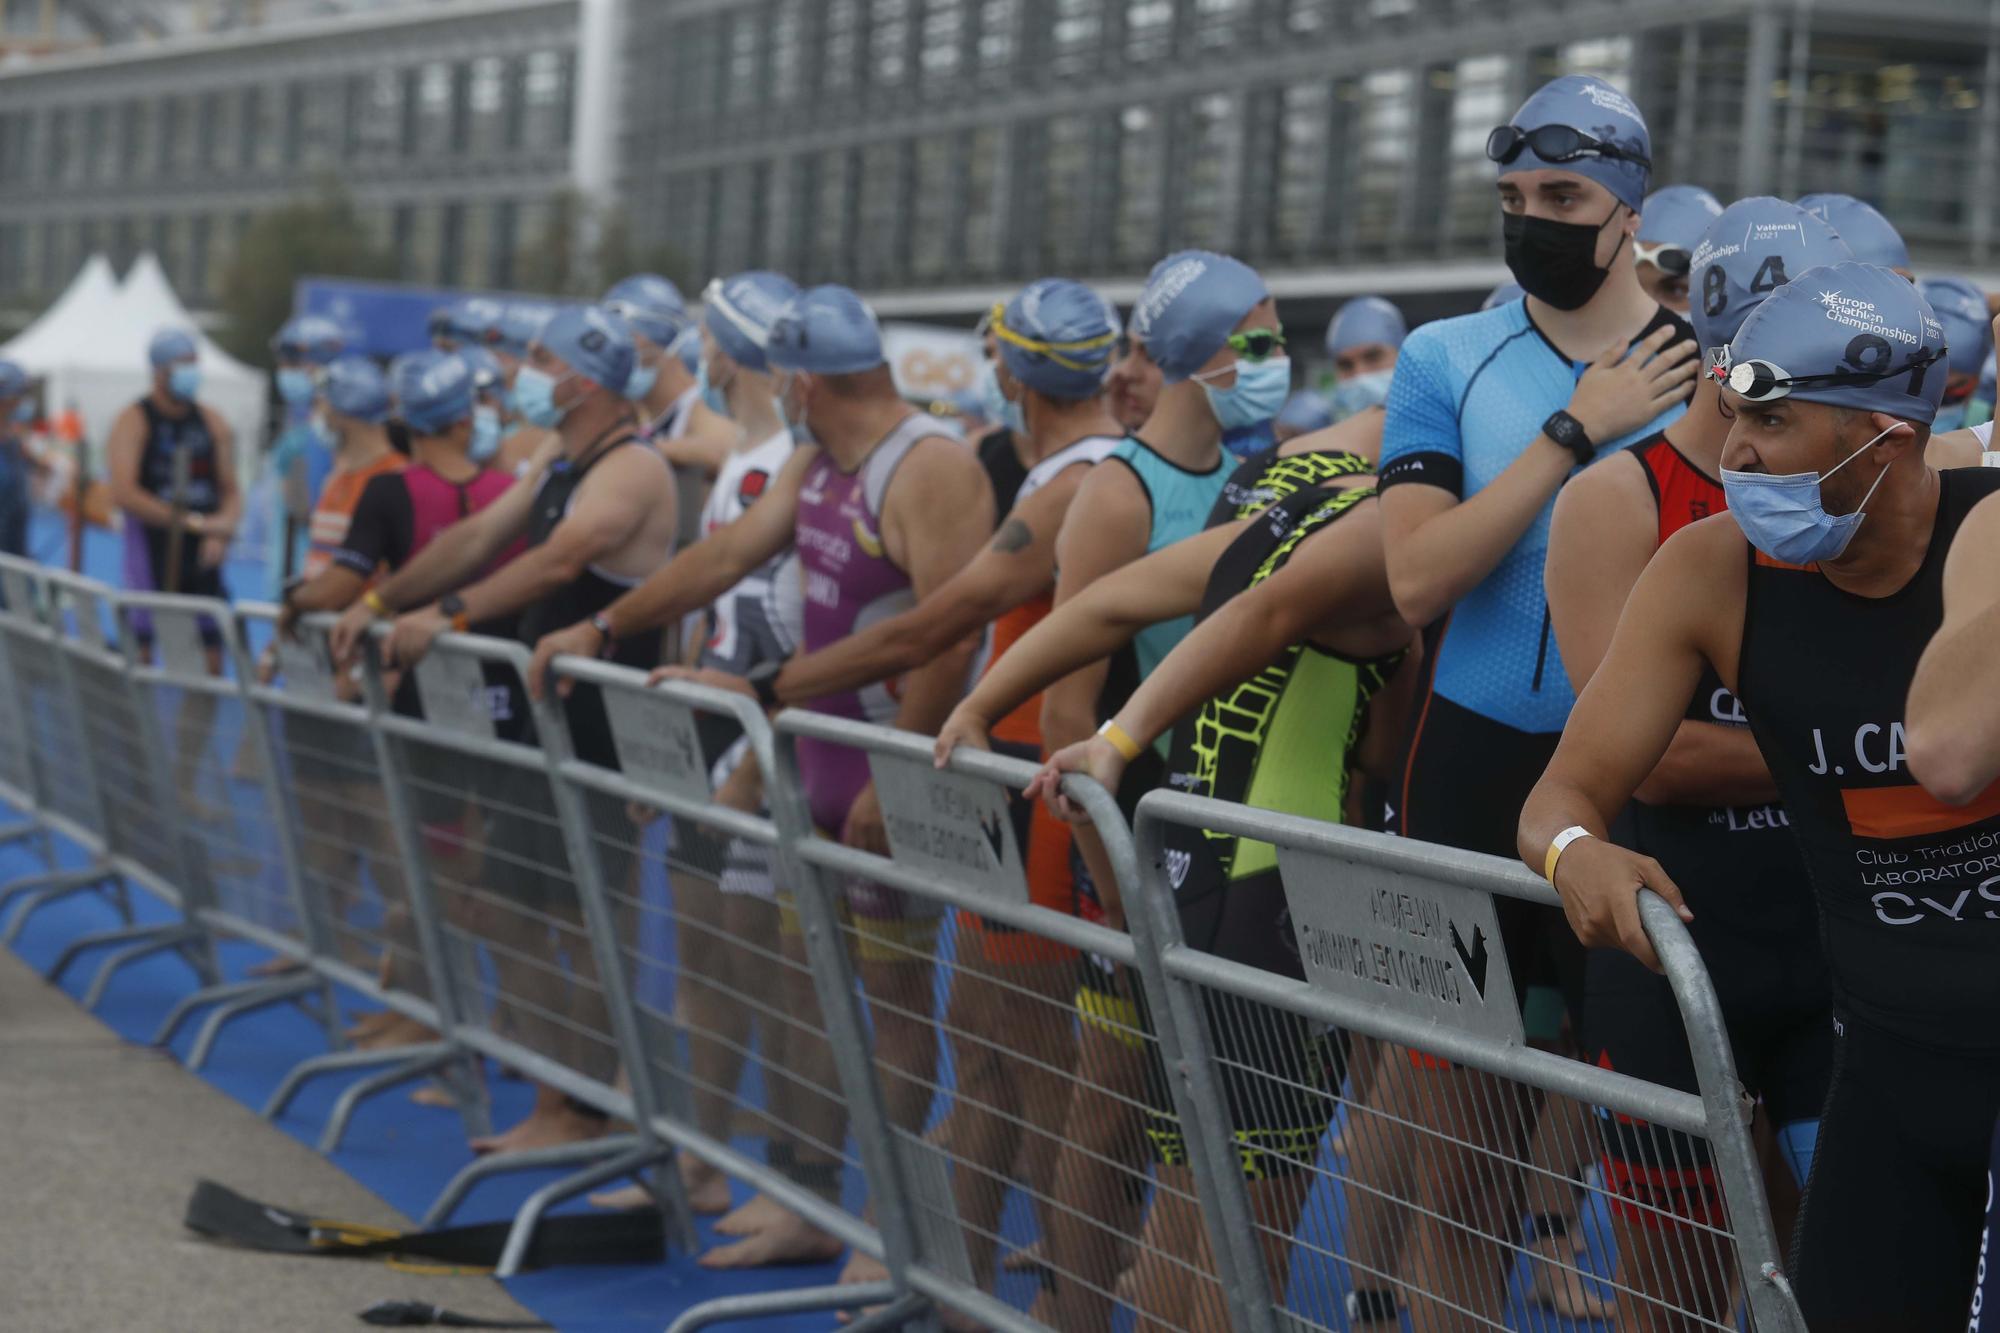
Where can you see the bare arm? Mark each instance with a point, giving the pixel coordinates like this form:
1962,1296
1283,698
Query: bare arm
1623,722
332,589
936,516
1017,564
458,553
705,444
1106,529
1952,727
229,496
609,507
1602,537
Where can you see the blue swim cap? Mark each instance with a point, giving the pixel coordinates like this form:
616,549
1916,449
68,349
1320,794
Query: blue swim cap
1192,302
738,313
825,331
355,387
1306,411
474,320
432,390
1968,326
593,342
1057,337
1872,238
1588,104
313,338
1755,246
652,305
1364,320
1849,318
171,345
1677,215
518,328
13,380
487,375
1501,295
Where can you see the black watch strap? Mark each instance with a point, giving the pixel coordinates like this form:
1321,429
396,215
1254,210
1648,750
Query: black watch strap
607,642
1568,432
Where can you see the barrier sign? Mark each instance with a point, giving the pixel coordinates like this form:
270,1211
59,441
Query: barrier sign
455,694
304,664
177,640
950,825
1410,944
657,743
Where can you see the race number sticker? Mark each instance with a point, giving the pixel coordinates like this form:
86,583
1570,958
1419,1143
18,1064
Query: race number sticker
455,694
1403,942
177,643
304,664
657,743
954,827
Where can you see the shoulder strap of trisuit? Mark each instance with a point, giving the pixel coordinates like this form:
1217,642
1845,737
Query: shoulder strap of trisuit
879,469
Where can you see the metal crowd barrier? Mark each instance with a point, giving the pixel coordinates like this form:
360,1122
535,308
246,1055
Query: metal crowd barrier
897,1047
1398,946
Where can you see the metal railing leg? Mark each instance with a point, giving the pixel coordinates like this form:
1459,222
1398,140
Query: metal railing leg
528,1159
805,1300
335,1061
266,995
38,891
156,940
350,1100
529,1215
188,1004
99,939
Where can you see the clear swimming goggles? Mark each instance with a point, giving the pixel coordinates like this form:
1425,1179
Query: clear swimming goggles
1672,260
1760,381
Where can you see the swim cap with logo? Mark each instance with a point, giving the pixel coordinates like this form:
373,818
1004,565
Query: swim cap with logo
1191,303
1753,248
1851,319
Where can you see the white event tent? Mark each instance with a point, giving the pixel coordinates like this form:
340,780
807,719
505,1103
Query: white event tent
89,348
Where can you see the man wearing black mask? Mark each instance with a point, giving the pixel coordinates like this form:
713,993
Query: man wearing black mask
1488,415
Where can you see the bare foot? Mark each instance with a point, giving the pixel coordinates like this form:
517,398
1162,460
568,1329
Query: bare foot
707,1188
792,1241
1559,1284
760,1214
368,1024
544,1128
277,967
401,1032
624,1199
434,1094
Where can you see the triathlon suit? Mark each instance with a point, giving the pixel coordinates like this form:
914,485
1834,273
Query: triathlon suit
1469,397
1743,876
334,514
1045,838
14,503
525,840
1909,907
147,553
755,622
1278,741
398,515
1004,467
850,584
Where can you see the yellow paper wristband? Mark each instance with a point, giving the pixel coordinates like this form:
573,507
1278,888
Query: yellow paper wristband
1558,846
1121,740
373,601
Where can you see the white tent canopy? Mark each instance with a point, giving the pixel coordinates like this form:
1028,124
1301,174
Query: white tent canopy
90,349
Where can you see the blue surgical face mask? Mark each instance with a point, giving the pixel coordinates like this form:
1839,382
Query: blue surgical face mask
535,398
795,422
1784,518
995,406
295,386
1259,393
1361,393
641,381
184,381
485,434
711,392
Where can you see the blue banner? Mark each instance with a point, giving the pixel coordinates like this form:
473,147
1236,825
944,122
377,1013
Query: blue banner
386,319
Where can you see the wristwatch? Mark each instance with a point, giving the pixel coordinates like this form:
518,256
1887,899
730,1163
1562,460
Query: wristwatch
607,642
1568,432
452,607
763,678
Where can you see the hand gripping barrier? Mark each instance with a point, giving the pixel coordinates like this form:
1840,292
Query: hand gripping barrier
1395,1023
527,972
939,952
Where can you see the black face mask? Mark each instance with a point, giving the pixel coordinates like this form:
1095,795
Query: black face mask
1555,262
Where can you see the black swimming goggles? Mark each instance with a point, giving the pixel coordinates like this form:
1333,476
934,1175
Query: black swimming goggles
1554,143
1757,381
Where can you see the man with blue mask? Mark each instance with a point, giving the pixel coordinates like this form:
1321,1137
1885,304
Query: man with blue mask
1709,812
597,521
489,390
1488,416
17,465
686,425
296,467
1813,601
884,505
1968,330
1671,221
1869,236
1364,340
473,321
